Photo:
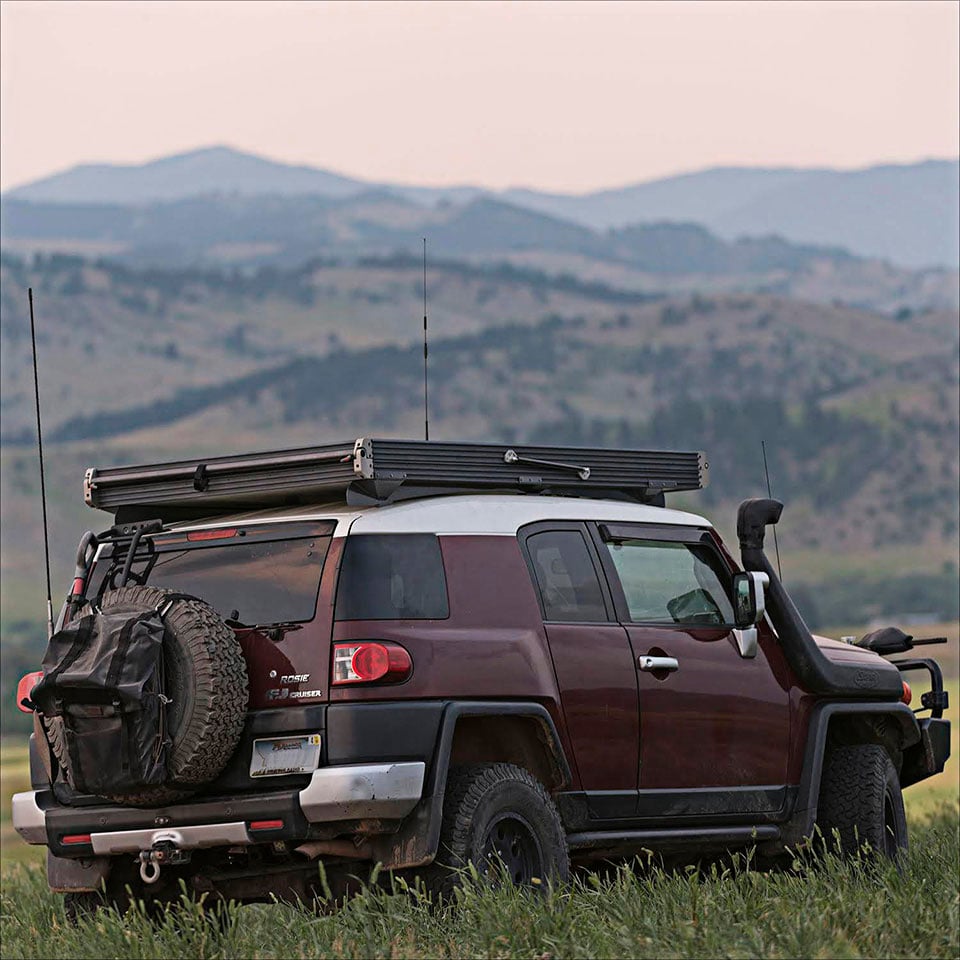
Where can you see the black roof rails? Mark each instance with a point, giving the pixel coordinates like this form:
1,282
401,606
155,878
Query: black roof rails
376,471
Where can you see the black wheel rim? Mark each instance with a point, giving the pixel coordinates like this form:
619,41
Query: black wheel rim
511,849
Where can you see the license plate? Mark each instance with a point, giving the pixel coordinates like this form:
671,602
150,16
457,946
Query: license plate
282,755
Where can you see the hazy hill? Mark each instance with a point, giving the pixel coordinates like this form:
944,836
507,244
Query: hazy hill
907,213
701,197
860,410
208,170
249,232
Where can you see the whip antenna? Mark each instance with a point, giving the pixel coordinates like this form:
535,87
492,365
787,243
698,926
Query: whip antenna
43,485
776,546
426,405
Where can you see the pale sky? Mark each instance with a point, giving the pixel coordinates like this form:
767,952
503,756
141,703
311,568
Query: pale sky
561,96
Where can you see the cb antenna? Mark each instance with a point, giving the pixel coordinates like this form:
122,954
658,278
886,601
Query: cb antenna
43,485
776,546
426,404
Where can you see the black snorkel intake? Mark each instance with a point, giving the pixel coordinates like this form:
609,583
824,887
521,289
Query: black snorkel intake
813,668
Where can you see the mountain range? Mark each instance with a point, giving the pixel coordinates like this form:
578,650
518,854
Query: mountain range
908,214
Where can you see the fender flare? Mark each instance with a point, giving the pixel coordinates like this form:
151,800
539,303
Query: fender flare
416,843
801,824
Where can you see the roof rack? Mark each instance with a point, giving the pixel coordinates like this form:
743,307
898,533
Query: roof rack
377,471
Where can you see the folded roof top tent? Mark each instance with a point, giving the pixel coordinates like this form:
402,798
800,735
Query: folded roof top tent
376,471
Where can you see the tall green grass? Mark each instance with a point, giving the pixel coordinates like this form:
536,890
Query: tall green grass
831,909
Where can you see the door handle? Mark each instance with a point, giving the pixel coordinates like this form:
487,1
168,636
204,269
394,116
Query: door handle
647,662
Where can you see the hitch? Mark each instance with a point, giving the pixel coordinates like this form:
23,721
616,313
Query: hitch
163,853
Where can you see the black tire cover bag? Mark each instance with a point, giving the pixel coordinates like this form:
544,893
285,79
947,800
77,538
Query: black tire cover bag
102,677
204,676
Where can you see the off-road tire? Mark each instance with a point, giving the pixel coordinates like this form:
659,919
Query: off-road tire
861,802
480,800
205,676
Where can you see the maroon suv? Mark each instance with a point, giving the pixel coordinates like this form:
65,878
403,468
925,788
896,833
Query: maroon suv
428,654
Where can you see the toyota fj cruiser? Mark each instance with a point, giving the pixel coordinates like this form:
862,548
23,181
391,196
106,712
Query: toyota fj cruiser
428,654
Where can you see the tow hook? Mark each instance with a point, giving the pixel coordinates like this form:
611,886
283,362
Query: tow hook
163,853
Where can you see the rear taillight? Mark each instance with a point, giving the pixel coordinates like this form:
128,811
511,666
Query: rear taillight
25,688
370,661
907,693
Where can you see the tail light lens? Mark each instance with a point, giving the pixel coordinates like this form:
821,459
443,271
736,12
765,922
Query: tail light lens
370,661
907,693
266,824
25,688
225,533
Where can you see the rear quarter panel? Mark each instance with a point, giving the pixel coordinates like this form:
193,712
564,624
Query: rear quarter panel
492,646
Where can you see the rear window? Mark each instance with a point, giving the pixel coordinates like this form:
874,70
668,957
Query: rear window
569,586
252,579
392,577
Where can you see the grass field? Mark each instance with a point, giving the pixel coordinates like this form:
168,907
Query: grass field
831,910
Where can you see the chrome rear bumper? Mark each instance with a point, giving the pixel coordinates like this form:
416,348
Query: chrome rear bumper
387,791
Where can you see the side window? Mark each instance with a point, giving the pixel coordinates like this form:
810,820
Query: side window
668,582
566,577
392,577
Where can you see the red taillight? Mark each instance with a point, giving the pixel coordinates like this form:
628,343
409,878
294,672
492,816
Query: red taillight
225,534
73,838
907,693
266,824
369,661
25,688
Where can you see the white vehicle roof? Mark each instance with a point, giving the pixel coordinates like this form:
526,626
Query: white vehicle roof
470,514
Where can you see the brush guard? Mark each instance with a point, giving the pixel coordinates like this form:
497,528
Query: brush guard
936,699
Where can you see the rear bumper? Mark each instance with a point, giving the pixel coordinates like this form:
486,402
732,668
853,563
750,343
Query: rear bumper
382,791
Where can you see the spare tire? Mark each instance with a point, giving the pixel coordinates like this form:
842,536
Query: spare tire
205,677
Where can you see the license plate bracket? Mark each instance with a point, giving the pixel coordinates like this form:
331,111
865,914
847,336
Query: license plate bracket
285,756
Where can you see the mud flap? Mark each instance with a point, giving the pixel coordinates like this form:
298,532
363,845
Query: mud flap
77,876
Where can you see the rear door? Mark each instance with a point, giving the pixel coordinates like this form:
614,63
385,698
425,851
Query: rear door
264,579
593,662
714,730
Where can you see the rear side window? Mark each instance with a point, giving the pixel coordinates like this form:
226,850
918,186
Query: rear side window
670,582
392,577
568,583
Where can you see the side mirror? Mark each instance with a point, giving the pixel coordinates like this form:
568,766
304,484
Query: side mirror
749,598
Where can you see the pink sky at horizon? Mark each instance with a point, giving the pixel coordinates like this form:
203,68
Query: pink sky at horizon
556,96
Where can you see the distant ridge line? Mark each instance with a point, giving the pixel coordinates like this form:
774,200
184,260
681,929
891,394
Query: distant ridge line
908,213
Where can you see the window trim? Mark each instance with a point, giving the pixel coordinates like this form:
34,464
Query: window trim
567,526
693,536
